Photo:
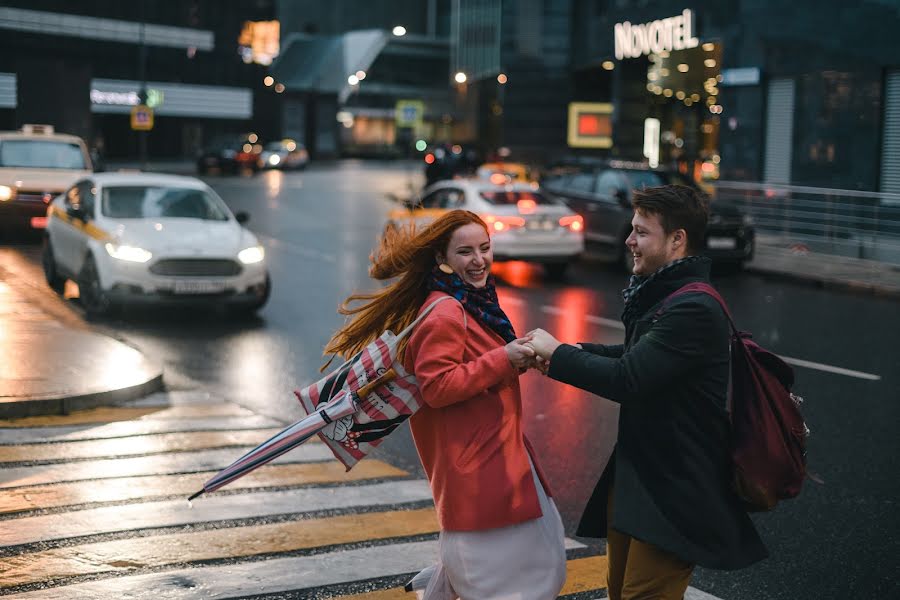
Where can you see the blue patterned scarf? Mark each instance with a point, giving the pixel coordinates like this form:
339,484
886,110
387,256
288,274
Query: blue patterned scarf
481,302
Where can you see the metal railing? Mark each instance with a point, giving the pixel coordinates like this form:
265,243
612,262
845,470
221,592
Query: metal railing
839,222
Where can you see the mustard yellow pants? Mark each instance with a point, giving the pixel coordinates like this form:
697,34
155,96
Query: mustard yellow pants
640,571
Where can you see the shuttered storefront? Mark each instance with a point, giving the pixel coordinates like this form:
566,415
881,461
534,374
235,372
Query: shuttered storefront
890,149
779,131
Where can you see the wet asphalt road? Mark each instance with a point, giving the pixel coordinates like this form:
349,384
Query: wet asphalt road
838,540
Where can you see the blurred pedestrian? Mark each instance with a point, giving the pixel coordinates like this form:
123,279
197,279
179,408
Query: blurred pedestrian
501,535
664,501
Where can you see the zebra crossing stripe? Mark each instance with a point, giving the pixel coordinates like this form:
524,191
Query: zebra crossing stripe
146,444
176,513
135,488
121,429
234,542
161,464
127,413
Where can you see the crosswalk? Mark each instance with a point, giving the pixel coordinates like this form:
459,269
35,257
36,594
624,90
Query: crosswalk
92,505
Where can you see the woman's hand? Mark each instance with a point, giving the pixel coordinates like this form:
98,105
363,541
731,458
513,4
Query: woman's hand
520,355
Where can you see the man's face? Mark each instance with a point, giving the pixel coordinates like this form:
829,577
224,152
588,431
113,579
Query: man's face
649,244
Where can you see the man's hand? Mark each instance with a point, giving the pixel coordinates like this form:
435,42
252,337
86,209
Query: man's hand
543,343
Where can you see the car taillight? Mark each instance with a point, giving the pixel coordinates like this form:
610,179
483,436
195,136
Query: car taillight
573,222
526,206
497,224
429,158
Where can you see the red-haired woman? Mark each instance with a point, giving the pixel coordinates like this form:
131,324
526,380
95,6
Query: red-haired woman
501,535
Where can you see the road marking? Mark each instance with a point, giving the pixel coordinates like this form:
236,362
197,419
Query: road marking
135,488
72,433
121,556
176,513
163,464
105,415
553,310
155,443
830,369
305,251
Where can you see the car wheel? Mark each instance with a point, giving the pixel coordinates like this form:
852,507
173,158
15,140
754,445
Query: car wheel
94,300
56,281
556,271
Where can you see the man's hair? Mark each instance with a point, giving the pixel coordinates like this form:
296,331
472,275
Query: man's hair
678,207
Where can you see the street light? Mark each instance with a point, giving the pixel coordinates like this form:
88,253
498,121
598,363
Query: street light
399,31
460,77
353,80
502,79
268,81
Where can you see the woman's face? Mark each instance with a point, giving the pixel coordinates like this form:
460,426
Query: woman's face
469,254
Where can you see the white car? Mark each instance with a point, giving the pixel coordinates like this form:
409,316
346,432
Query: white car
140,237
524,223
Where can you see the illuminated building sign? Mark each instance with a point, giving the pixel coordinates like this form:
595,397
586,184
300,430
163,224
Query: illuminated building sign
672,33
590,125
259,41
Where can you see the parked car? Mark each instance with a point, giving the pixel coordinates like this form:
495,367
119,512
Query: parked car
602,196
36,164
284,154
230,154
146,238
524,223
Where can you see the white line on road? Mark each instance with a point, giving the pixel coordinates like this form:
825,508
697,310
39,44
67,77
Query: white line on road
553,310
178,513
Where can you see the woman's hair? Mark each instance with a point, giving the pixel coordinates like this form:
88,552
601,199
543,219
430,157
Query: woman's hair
408,256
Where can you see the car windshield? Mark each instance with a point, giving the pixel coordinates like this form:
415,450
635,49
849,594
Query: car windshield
501,197
41,154
148,202
643,179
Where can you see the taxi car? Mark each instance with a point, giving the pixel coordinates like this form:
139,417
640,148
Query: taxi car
501,173
524,223
148,238
36,164
284,154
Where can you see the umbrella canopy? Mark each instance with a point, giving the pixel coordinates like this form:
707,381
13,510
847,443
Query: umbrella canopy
343,403
352,409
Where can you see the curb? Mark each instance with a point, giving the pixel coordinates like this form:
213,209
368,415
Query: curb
809,279
20,408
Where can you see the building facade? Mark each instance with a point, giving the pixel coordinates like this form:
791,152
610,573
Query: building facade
81,67
806,93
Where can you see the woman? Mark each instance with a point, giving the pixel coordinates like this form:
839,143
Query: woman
501,535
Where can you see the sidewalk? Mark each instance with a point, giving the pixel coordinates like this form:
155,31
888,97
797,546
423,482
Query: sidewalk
51,362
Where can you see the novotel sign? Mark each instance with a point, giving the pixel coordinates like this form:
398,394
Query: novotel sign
672,33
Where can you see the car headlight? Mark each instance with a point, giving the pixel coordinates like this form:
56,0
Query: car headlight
129,253
274,159
253,254
6,193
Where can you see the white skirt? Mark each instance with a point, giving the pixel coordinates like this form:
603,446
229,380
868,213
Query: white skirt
526,561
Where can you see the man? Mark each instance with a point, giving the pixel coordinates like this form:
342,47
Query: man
664,500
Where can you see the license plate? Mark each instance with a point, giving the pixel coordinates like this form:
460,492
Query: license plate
39,222
539,224
721,243
199,287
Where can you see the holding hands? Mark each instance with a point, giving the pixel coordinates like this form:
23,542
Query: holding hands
532,351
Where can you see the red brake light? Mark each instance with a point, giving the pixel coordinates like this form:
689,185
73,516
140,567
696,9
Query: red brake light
573,222
526,206
497,224
429,158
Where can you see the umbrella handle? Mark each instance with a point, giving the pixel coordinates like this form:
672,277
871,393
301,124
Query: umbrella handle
367,389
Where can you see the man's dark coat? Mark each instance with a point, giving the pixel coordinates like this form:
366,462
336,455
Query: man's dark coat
671,467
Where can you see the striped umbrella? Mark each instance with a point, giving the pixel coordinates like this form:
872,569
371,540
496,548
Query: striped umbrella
352,409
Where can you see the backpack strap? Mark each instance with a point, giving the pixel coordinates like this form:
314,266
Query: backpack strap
427,310
704,288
